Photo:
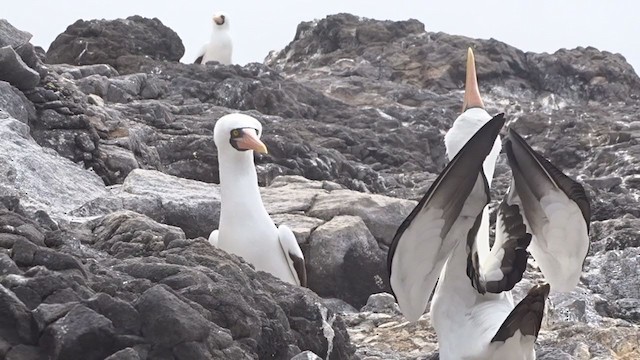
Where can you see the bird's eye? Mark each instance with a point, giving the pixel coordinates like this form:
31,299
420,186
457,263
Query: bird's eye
222,17
235,133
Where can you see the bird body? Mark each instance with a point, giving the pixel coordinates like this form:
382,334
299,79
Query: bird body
220,46
445,239
246,229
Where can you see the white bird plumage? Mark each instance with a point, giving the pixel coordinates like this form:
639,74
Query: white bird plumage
220,46
472,309
246,229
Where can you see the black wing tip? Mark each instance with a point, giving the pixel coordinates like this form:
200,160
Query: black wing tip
498,121
541,290
300,266
526,316
198,60
573,189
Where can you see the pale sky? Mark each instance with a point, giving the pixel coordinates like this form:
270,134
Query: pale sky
259,26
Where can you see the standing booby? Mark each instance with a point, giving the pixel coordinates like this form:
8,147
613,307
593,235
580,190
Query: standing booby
445,239
246,229
219,47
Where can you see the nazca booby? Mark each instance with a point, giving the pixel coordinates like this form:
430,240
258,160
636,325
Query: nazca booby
246,229
445,239
220,47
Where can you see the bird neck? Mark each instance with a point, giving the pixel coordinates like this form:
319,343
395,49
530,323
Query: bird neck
454,279
463,130
217,33
454,273
239,189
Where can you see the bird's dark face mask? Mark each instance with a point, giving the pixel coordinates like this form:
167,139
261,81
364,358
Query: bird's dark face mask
243,139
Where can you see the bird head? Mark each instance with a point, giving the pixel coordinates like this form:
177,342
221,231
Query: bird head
473,114
472,118
238,132
220,20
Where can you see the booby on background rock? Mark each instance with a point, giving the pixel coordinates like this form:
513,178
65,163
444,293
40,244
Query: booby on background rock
220,47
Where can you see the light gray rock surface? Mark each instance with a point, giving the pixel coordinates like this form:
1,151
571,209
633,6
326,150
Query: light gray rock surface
42,179
191,205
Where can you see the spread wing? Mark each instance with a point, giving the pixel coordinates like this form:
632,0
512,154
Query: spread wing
556,211
446,213
526,317
293,254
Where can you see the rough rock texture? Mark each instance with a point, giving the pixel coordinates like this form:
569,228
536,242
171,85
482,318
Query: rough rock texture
11,36
124,285
191,205
350,104
14,71
42,179
13,102
102,41
344,258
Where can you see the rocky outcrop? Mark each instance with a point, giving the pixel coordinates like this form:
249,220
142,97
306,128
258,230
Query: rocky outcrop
354,112
18,60
126,285
105,41
402,52
344,244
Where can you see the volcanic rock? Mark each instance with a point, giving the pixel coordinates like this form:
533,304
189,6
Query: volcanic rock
104,41
354,113
14,71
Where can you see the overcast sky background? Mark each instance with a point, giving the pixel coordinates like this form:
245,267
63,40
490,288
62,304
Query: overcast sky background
259,26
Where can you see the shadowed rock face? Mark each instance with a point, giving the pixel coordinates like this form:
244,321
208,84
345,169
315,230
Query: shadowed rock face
355,106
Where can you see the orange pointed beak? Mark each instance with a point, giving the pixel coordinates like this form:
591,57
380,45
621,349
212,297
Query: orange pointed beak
250,141
471,91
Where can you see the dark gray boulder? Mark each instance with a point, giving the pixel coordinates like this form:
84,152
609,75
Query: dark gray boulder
17,325
345,261
14,71
104,41
161,310
80,331
13,102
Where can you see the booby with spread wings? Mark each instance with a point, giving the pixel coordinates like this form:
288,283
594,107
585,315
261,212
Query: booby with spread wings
246,229
446,240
